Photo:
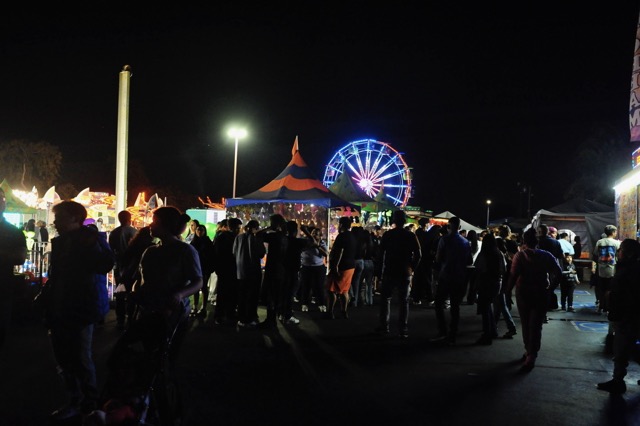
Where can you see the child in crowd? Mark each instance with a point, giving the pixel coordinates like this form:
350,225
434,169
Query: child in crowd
568,283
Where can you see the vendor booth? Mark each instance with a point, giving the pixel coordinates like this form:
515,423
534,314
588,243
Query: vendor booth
297,195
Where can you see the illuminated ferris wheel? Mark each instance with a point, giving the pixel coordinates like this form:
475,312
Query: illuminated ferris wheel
374,166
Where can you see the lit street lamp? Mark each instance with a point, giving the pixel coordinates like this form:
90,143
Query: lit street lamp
236,134
488,207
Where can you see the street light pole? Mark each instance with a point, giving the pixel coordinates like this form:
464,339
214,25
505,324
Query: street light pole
236,134
488,207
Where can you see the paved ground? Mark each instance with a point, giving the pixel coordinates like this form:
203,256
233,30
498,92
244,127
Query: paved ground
324,372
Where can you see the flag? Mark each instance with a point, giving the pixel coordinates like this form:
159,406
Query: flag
634,106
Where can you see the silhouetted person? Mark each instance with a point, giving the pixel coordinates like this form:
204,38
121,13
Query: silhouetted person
274,272
532,272
204,246
248,250
225,267
169,274
400,256
295,246
624,315
342,264
77,260
119,241
490,266
453,258
13,251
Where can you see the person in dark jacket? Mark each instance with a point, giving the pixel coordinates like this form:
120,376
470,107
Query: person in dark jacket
119,241
248,250
225,268
77,259
624,315
204,246
400,255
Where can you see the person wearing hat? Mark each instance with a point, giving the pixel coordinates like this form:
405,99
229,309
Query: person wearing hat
342,265
400,255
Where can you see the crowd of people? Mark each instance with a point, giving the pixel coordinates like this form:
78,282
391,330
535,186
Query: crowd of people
162,275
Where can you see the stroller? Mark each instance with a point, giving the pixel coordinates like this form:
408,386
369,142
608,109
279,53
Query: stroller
139,389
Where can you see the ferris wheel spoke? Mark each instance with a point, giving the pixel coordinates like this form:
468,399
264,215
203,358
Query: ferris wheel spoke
389,163
377,161
353,169
397,200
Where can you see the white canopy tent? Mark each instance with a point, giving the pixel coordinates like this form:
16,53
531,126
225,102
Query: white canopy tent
463,223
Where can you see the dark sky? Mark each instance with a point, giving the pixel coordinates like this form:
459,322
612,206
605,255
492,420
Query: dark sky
477,99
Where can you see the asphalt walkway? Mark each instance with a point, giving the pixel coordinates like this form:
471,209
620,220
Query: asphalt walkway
339,372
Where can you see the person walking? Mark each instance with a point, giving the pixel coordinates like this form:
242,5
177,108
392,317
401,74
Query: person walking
342,264
532,272
490,266
13,251
624,316
453,258
400,256
502,307
119,241
72,307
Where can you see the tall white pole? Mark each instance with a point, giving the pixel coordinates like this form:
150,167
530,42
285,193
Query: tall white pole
235,168
488,206
122,160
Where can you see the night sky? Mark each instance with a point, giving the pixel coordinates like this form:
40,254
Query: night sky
477,99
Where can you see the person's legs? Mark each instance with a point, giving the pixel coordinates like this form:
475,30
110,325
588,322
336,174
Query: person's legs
88,383
243,306
442,292
318,280
624,342
404,283
525,319
121,308
456,295
570,290
305,286
333,298
563,296
72,350
367,279
386,290
354,291
202,313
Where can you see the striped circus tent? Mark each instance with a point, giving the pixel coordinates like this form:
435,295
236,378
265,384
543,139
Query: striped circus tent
295,184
